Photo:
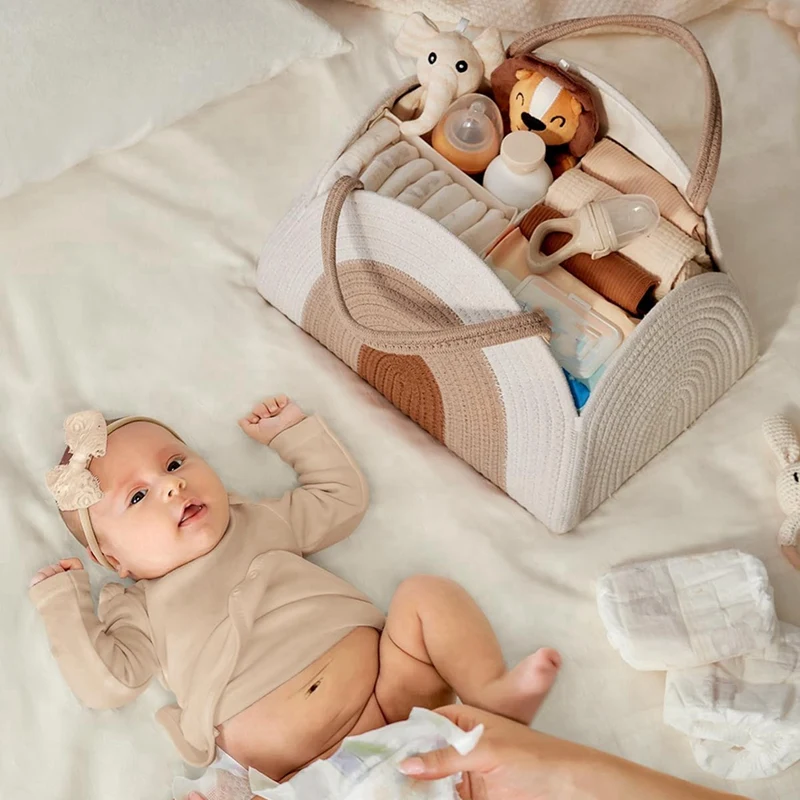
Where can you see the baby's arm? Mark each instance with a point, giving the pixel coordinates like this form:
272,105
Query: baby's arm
106,663
333,495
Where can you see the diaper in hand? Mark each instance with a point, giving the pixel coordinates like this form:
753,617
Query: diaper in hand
743,714
363,768
684,612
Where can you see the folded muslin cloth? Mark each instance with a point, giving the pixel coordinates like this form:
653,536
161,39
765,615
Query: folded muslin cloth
617,278
385,163
742,714
683,612
363,768
361,152
613,164
483,233
668,253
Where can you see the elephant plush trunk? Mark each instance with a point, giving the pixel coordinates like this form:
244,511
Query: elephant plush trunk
441,92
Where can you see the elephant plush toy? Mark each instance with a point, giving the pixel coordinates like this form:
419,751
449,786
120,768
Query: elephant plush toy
448,65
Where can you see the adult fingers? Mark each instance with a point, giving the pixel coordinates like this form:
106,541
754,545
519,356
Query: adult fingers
434,765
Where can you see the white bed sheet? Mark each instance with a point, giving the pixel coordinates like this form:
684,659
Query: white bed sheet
127,286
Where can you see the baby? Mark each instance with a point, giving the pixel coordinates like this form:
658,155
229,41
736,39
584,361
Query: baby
270,657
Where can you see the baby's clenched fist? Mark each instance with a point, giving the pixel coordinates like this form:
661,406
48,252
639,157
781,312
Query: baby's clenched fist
65,565
271,417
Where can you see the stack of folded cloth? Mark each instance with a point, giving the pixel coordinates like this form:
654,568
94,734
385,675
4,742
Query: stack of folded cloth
392,167
733,670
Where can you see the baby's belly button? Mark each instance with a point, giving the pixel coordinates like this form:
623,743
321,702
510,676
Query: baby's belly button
301,720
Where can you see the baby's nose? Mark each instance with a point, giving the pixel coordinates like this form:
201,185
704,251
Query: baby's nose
175,485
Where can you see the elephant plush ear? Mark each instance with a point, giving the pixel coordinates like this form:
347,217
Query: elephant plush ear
490,48
782,438
414,36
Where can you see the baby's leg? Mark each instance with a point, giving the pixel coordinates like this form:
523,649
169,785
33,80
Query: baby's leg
437,639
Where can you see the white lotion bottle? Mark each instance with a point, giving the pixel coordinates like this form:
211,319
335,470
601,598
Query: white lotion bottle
519,176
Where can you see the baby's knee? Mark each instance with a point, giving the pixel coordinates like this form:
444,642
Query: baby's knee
421,588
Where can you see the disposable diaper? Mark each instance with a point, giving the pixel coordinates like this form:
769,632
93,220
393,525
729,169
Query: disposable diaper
363,768
688,611
742,715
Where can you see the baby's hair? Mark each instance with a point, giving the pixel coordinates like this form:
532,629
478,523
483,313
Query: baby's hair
70,518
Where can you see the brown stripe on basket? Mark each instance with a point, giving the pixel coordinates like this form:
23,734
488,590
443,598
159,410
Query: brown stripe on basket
407,383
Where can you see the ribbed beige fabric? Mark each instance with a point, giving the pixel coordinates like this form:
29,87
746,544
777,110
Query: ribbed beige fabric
667,253
522,15
613,164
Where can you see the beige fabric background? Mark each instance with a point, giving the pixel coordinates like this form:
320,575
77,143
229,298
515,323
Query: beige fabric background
127,286
522,15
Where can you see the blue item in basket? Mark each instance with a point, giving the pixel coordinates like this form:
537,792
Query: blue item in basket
579,391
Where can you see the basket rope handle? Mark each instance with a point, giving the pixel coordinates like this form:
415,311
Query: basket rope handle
453,338
705,168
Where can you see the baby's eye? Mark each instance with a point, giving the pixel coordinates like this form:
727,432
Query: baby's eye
137,497
560,124
175,463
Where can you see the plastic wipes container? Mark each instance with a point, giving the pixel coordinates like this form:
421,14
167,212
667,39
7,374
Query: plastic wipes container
581,340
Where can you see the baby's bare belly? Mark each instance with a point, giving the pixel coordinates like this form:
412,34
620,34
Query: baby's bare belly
308,716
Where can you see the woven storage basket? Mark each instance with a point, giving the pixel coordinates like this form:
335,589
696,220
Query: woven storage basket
421,317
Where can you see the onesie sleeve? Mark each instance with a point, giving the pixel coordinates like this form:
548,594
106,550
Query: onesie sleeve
332,497
108,660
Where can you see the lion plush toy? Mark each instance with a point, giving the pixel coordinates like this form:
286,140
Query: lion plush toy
540,97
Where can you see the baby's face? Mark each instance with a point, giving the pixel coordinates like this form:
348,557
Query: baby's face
162,506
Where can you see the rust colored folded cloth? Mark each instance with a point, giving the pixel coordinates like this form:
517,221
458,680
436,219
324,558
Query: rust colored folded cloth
614,276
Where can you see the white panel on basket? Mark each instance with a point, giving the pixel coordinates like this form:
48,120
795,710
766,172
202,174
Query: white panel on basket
540,415
383,230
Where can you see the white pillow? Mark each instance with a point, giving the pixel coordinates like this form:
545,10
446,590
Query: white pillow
87,75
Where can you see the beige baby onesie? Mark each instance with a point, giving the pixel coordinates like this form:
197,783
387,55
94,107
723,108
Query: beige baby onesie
225,629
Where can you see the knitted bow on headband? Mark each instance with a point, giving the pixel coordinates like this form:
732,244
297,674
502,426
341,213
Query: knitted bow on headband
71,484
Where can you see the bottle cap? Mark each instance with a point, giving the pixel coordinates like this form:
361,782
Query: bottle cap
522,151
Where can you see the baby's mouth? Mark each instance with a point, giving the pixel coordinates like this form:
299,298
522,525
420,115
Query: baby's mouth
192,512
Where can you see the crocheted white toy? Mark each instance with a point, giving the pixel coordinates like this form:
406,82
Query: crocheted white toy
786,446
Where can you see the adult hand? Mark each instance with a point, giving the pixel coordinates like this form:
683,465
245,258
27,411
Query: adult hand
510,761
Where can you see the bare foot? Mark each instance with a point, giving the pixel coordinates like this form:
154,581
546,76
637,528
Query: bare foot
520,692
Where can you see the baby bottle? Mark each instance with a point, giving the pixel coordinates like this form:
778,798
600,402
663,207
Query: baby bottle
519,176
468,134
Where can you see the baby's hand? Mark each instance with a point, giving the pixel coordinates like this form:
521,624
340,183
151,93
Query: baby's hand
65,565
270,418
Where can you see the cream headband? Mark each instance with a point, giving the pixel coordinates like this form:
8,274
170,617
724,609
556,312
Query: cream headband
72,485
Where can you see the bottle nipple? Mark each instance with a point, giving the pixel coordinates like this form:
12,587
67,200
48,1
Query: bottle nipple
469,133
472,128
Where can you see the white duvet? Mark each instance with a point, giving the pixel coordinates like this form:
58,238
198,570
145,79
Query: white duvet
127,285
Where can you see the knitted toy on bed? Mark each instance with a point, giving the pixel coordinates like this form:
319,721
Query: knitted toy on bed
783,440
448,65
